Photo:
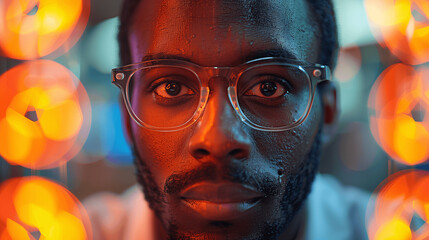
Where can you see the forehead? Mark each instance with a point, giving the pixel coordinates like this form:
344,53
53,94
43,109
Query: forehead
222,32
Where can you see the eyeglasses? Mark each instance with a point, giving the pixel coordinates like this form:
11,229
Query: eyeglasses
268,94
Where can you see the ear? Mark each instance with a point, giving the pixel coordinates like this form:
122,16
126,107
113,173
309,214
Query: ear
126,120
330,107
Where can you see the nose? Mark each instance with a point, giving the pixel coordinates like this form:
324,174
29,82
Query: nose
219,134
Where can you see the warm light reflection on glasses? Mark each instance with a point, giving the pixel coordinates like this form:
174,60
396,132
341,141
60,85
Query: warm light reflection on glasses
401,209
36,206
45,115
403,26
31,29
398,104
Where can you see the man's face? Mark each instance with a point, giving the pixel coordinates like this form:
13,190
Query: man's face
219,178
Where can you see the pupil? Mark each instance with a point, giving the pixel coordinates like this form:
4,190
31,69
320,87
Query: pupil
172,89
268,88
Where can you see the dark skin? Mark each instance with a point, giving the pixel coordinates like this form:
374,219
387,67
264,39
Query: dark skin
225,33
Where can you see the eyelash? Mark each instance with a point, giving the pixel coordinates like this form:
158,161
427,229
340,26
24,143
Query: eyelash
264,79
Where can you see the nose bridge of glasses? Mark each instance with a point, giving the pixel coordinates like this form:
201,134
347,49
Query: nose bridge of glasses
219,81
219,110
212,76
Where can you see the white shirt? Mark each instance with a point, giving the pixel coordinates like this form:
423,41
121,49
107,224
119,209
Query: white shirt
335,212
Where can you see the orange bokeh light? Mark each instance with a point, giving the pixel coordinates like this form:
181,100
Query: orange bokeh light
399,113
401,207
34,204
402,26
31,29
45,115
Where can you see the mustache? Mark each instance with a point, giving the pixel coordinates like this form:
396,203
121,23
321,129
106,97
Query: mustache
263,182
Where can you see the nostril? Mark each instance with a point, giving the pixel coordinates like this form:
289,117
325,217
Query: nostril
238,154
199,153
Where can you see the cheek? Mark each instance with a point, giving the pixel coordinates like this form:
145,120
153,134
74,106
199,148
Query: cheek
164,153
283,150
288,150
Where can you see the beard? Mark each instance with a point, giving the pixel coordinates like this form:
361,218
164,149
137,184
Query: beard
294,192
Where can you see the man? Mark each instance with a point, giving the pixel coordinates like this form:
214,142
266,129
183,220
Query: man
226,110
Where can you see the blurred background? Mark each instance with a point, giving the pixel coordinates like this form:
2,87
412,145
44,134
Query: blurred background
377,38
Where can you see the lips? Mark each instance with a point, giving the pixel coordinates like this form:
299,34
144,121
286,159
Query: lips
220,201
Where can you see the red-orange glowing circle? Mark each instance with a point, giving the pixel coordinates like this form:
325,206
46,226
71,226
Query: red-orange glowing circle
31,29
45,115
30,204
399,113
401,207
403,26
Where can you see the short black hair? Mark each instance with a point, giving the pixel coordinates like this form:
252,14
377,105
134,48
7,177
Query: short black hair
323,18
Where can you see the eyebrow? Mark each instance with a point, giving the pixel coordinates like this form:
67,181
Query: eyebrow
251,56
284,53
165,56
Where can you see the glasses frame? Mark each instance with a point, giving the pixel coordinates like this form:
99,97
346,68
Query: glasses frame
315,74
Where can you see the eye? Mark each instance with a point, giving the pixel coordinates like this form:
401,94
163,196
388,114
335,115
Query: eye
172,89
267,89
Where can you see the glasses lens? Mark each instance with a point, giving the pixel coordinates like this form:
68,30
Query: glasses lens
274,95
164,96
